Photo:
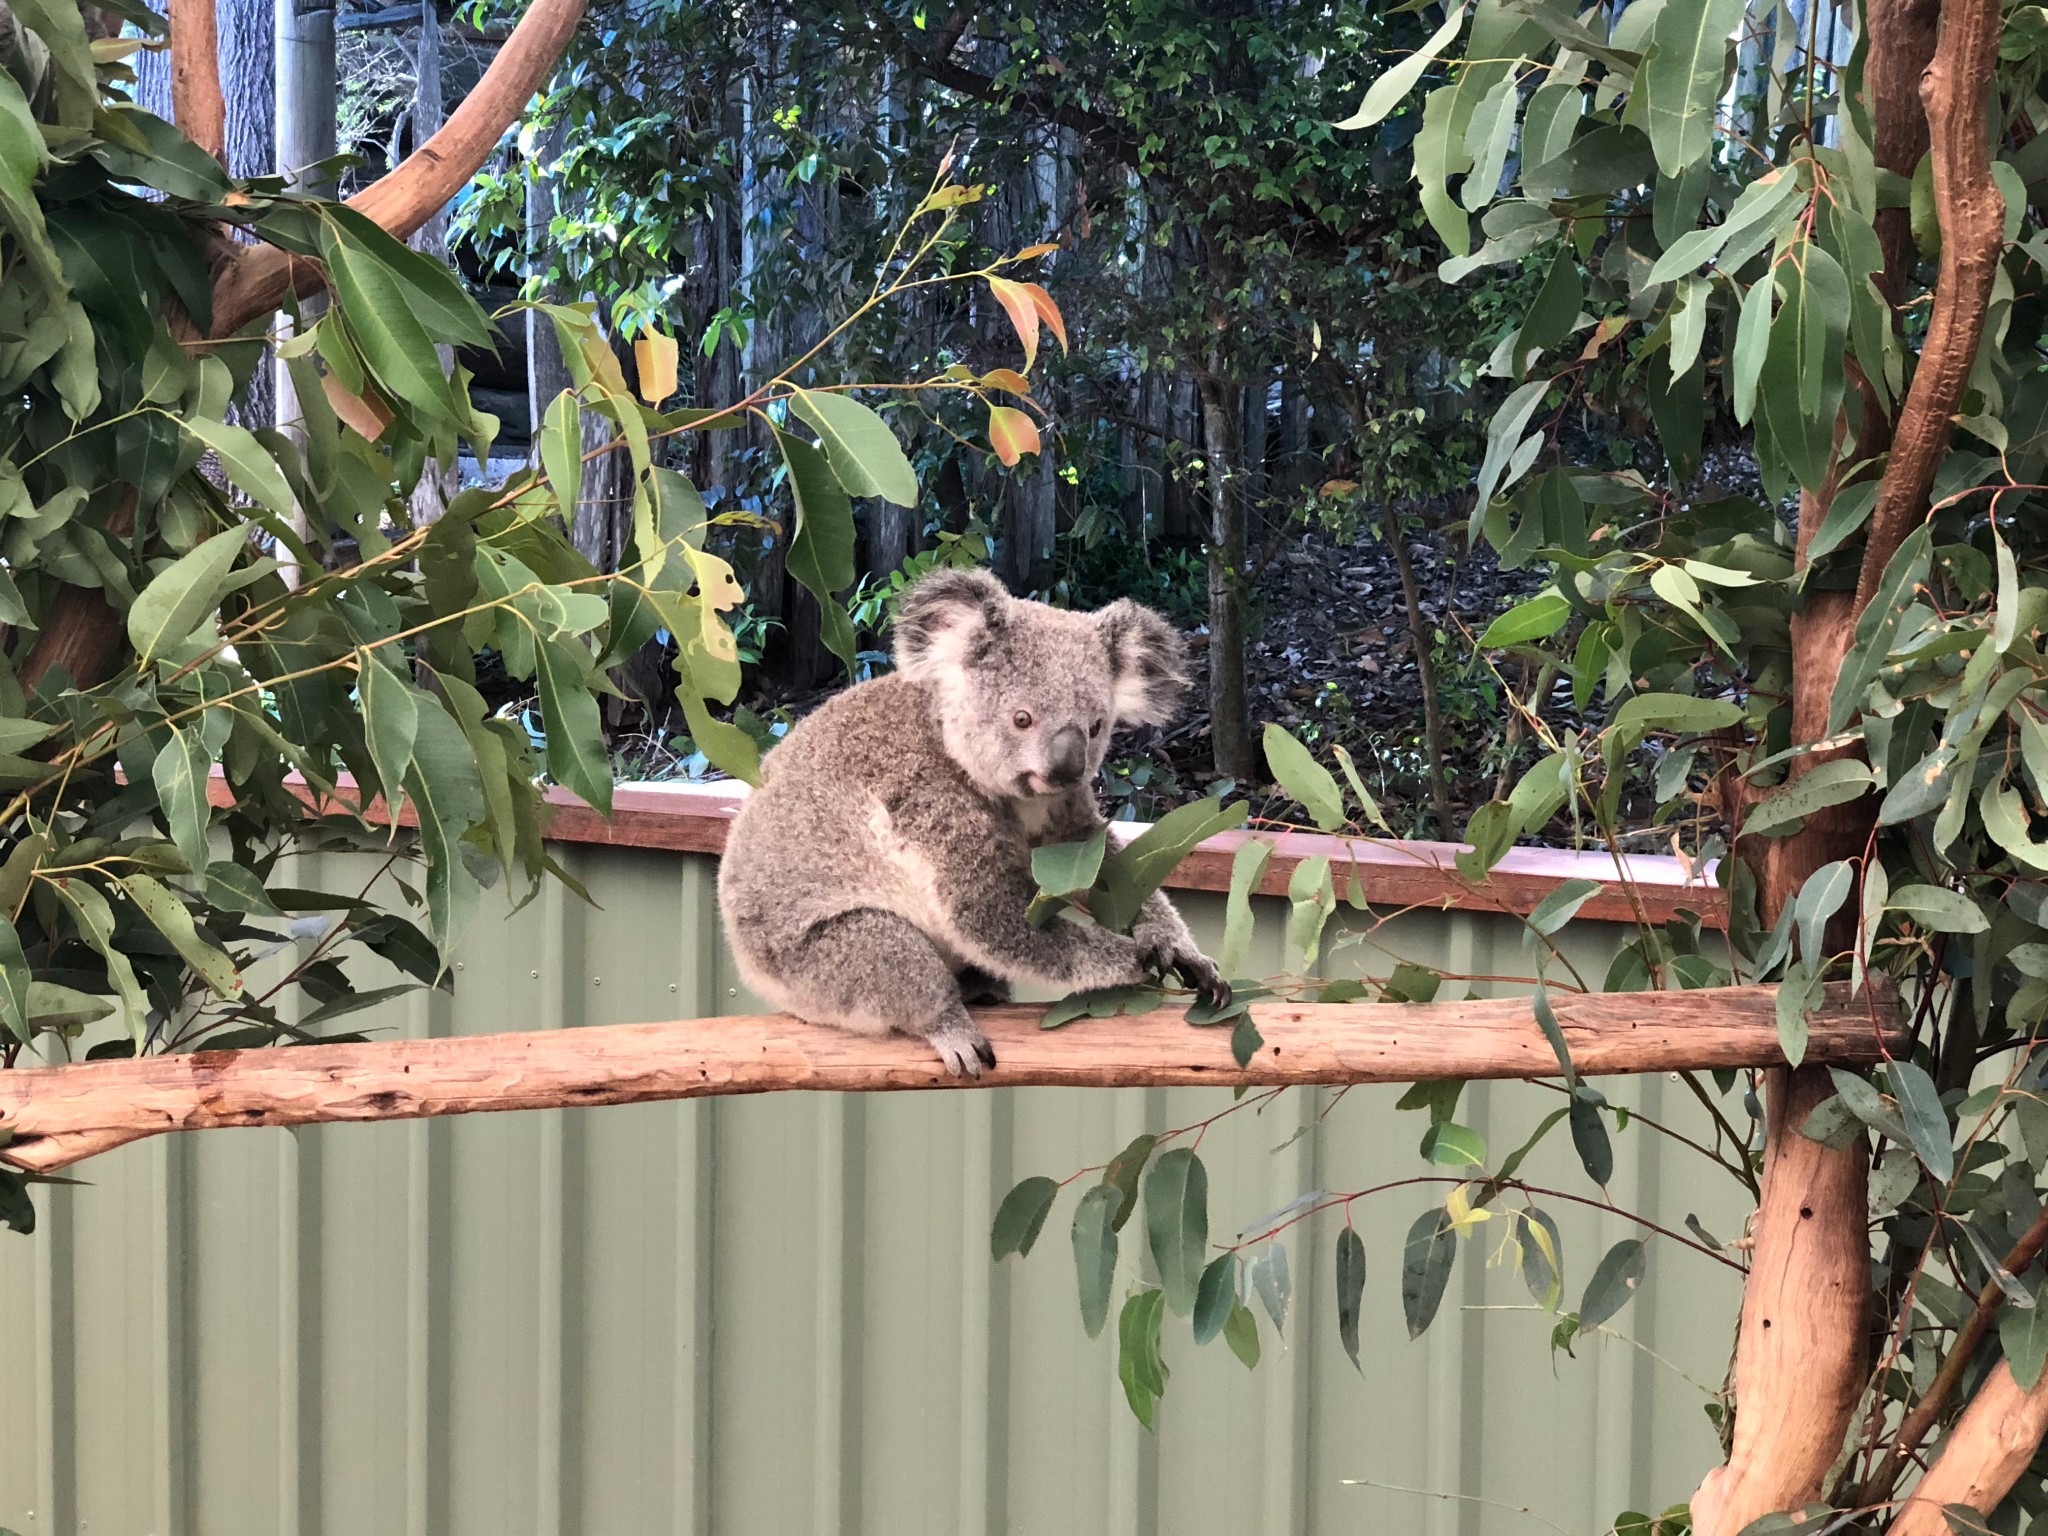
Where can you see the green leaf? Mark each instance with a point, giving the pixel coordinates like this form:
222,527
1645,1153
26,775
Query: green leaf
16,981
1241,1333
1879,623
863,452
1681,75
170,917
1367,806
1245,1041
1020,1216
378,309
95,922
1312,901
1122,1175
821,550
1247,865
1504,441
1926,1121
180,773
1426,1260
391,718
1537,619
183,594
1782,810
1819,899
1546,1020
1388,91
1487,139
1542,1250
577,755
1270,1280
17,1211
1066,869
1938,909
1215,1297
561,452
1095,1247
1868,1105
449,798
1752,345
248,464
1304,779
2023,1334
1754,221
1798,994
1135,871
1562,905
1454,1145
1177,1224
1350,1291
1139,1367
1589,1136
1613,1284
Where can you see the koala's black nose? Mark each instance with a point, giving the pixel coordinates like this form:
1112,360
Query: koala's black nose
1069,756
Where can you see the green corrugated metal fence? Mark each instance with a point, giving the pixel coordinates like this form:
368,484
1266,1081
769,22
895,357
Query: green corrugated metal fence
778,1315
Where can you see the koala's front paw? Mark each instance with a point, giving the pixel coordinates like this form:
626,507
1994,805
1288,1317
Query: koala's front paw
1163,950
963,1048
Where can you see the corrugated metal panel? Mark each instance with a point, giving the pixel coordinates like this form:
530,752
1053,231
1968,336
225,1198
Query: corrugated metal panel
778,1314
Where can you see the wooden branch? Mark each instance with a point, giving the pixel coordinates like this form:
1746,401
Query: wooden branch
1955,91
1798,1363
1993,1442
196,99
58,1114
431,175
1934,1402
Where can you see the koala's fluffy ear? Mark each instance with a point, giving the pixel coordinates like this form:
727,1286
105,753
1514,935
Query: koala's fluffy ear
1148,661
945,621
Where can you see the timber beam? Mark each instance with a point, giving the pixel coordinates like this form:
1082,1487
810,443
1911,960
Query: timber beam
56,1115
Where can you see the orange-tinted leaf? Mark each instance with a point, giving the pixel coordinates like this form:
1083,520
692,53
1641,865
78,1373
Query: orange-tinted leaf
1031,251
365,413
1023,312
656,357
1007,378
1012,433
1047,311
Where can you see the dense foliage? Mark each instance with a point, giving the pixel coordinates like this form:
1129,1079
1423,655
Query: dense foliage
207,626
1839,686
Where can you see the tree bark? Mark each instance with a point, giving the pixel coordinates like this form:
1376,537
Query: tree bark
52,1111
1994,1442
1229,705
1955,91
1799,1368
437,482
196,100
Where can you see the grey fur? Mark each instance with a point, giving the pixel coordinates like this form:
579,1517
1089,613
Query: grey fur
880,876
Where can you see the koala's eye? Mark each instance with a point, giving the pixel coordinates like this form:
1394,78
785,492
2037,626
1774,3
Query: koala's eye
1095,730
1021,719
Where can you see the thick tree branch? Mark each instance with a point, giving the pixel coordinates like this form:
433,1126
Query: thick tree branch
57,1114
261,277
1902,35
196,99
1934,1402
1993,1442
1955,92
1798,1364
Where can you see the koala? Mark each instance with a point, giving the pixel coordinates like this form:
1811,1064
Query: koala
879,878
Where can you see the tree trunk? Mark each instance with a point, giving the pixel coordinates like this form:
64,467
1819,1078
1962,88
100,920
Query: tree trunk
1229,723
438,482
305,137
248,70
1422,636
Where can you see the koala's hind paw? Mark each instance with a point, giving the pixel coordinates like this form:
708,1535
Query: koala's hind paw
1200,972
963,1048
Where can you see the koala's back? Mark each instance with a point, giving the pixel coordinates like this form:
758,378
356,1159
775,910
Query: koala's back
814,840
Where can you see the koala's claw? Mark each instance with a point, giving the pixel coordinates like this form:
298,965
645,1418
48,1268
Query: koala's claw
963,1048
1212,991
